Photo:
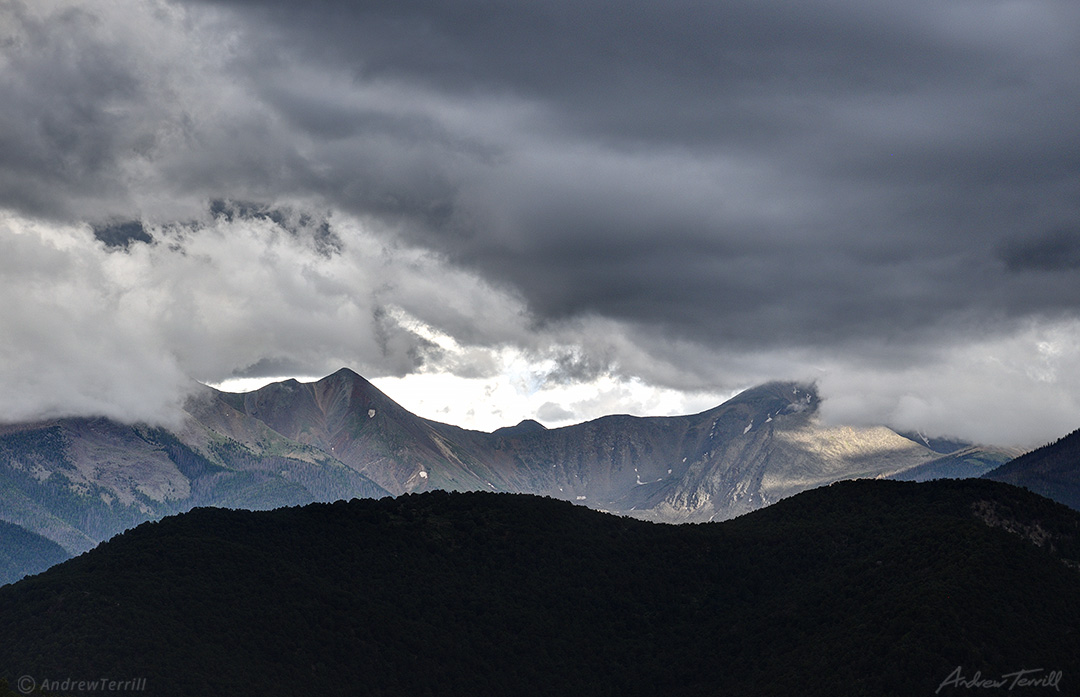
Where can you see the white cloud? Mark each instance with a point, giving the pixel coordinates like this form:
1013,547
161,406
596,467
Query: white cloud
510,397
120,333
69,345
89,331
1020,389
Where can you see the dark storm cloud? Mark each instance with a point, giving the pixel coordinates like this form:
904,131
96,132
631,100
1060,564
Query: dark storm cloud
636,68
1056,250
56,128
121,235
872,182
272,367
745,172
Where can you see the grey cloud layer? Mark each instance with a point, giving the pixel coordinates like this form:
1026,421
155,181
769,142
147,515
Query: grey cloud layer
720,186
734,172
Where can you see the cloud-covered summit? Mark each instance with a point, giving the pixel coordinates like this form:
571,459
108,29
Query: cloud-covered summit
879,196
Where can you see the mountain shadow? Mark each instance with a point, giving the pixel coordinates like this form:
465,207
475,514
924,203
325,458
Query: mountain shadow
23,553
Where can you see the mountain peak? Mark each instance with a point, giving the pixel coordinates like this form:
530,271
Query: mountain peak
525,427
344,374
776,398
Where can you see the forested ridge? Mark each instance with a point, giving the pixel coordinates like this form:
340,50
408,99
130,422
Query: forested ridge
868,587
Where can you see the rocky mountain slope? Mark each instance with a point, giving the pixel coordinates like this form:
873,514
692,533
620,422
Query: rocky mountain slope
80,481
968,461
860,588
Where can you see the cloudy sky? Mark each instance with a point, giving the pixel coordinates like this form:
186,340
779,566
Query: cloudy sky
501,209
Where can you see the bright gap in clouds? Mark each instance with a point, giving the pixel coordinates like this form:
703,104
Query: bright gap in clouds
485,404
241,385
514,388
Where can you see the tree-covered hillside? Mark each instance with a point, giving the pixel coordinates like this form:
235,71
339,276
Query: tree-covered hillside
1052,470
861,588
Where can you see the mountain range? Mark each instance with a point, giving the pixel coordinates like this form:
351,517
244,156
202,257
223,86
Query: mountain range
78,481
438,570
864,587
